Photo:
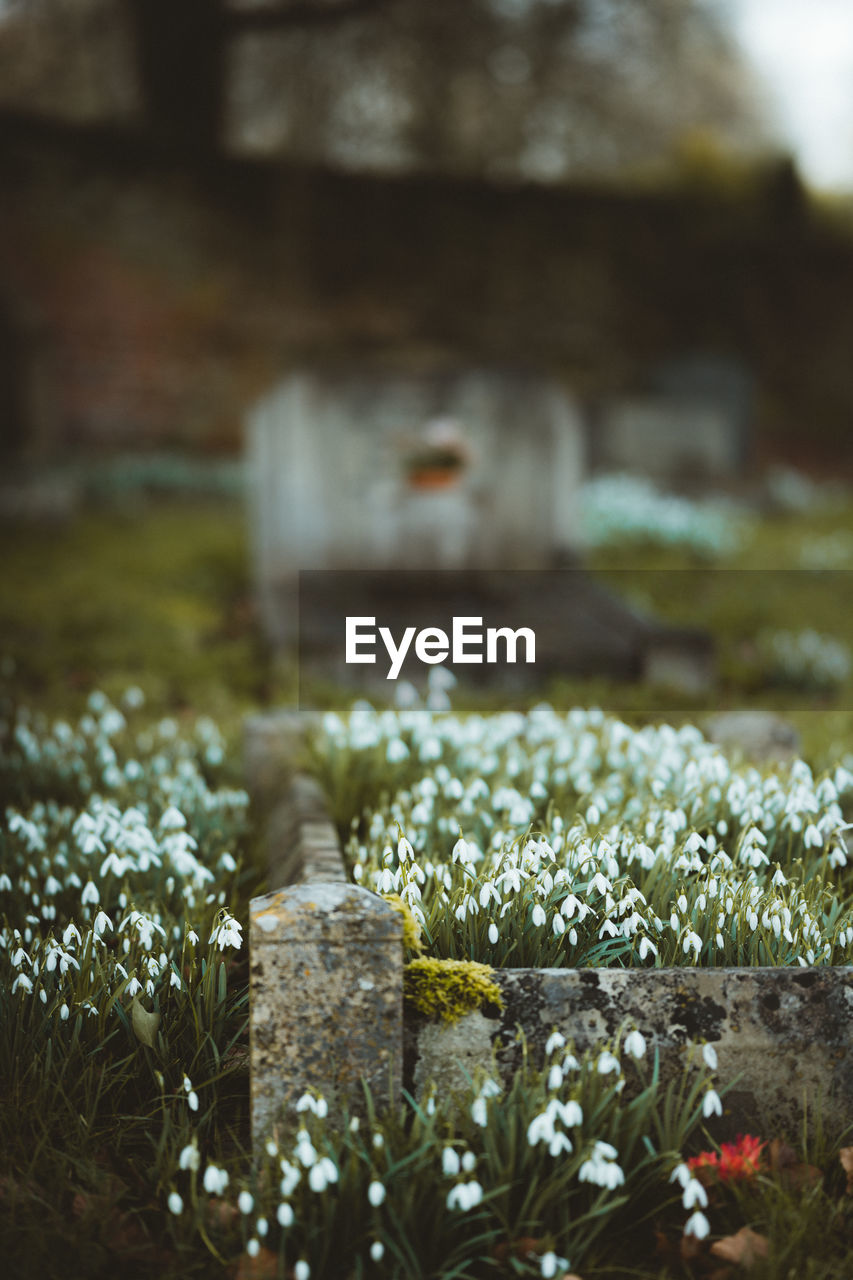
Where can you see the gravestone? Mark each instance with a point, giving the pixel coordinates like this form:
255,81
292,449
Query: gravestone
436,485
373,469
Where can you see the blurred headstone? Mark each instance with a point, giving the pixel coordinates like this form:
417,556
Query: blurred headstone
375,470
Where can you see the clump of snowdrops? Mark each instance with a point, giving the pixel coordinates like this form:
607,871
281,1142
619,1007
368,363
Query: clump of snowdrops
123,1004
554,1170
544,839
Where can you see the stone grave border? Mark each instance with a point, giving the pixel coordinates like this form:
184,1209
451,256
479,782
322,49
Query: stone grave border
326,990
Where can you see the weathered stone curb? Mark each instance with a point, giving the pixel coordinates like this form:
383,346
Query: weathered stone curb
326,998
783,1036
326,957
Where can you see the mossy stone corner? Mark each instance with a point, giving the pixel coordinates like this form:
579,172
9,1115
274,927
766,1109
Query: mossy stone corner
449,989
326,990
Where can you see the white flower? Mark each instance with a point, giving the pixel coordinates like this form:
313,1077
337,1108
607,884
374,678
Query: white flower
284,1214
697,1225
559,1143
192,1100
709,1053
102,923
227,933
176,1204
554,1041
607,1063
681,1174
245,1202
465,1196
376,1193
215,1180
711,1105
450,1163
189,1157
322,1174
635,1044
253,1247
301,1270
377,1251
601,1168
479,1112
538,915
694,1193
550,1264
493,933
90,894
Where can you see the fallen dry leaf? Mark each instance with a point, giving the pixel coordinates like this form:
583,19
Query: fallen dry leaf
845,1155
744,1248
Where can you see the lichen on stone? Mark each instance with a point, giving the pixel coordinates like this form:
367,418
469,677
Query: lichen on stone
448,989
411,928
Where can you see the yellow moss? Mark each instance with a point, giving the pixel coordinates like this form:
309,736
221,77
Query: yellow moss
411,928
448,989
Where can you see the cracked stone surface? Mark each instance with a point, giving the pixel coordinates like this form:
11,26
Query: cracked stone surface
326,989
783,1037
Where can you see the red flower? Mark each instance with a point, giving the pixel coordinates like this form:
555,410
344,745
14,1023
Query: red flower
735,1161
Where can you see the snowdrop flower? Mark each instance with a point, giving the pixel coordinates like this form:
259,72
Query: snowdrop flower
176,1204
215,1180
309,1103
301,1270
253,1247
607,1063
322,1174
709,1054
635,1044
601,1167
227,933
245,1202
550,1264
284,1214
555,1041
493,933
693,940
377,1251
376,1193
450,1163
189,1157
304,1150
694,1193
681,1174
559,1143
697,1225
464,1196
290,1179
711,1105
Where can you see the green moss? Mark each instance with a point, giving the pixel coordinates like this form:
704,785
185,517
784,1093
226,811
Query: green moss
448,989
411,928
